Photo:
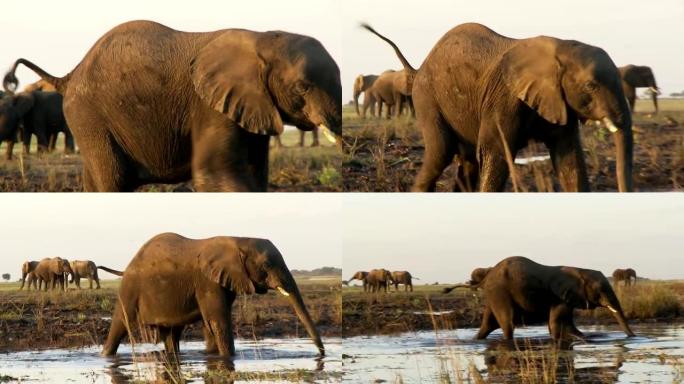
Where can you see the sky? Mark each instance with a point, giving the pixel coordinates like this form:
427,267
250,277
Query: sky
443,237
110,228
631,31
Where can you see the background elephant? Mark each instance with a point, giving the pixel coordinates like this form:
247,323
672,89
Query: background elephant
51,271
39,113
402,277
360,275
638,76
378,279
207,114
314,133
86,269
383,92
518,291
361,85
202,285
625,275
487,99
476,277
27,271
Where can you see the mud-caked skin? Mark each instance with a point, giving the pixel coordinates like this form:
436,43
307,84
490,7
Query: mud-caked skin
638,76
625,275
149,104
174,281
518,291
483,97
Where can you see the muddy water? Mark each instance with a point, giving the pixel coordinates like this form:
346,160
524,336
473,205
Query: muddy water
656,355
87,366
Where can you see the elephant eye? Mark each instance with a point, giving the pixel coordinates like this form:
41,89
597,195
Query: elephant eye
590,87
301,87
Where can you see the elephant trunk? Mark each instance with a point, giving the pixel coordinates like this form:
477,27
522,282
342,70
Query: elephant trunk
357,93
23,280
611,302
300,309
624,147
654,97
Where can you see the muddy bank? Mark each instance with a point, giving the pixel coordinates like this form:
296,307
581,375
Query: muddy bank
37,320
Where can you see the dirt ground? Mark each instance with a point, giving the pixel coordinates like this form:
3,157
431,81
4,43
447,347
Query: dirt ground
40,320
385,155
427,308
292,169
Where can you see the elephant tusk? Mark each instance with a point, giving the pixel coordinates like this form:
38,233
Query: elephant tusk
281,290
609,123
611,309
654,90
326,132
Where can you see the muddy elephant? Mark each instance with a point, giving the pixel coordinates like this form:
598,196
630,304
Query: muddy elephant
173,281
518,291
360,275
625,275
638,76
149,104
27,270
361,85
52,271
37,113
482,97
476,277
84,269
402,277
378,279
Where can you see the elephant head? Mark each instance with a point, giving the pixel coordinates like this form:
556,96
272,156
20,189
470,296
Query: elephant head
360,275
361,84
563,80
280,78
12,110
639,76
588,289
26,268
255,266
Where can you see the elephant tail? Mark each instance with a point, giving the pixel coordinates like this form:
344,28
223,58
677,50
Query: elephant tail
112,271
404,62
413,277
10,81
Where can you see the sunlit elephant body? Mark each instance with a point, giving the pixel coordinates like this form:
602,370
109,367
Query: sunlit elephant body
149,104
638,76
483,97
518,291
27,270
402,277
174,281
378,279
625,275
52,271
361,85
84,269
361,275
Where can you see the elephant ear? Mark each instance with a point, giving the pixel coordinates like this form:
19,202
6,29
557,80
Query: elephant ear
225,265
23,102
230,76
570,288
532,73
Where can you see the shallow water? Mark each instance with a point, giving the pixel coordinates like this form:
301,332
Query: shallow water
656,355
531,159
85,365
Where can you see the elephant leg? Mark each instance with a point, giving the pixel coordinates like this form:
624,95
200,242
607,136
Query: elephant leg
561,323
52,142
171,337
568,159
9,149
411,287
502,309
301,138
209,340
380,108
69,145
315,142
97,282
488,325
216,311
90,282
493,158
439,152
467,176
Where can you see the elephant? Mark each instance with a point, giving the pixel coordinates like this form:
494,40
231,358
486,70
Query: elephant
378,279
476,277
625,275
360,275
402,277
361,85
86,269
51,271
40,113
149,104
27,270
388,89
482,97
638,76
174,281
519,291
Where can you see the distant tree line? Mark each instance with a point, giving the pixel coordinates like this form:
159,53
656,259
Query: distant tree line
324,271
